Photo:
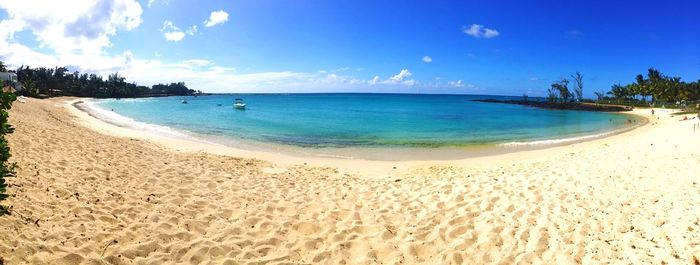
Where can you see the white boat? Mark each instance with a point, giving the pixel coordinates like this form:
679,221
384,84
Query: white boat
238,104
184,101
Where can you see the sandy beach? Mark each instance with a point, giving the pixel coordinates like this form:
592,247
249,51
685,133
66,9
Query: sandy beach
88,192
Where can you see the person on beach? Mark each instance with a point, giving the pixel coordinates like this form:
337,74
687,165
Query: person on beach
652,112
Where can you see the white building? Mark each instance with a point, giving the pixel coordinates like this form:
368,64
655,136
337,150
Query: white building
10,79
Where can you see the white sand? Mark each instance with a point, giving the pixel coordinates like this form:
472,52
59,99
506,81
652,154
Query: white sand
110,195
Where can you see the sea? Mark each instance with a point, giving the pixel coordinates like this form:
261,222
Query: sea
352,121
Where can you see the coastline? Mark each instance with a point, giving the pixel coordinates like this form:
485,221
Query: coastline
84,196
409,158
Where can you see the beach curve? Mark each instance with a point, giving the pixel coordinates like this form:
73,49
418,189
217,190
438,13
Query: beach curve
96,198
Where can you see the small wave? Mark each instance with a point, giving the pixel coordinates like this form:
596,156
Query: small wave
93,108
564,140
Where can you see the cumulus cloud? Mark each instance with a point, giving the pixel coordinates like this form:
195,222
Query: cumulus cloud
401,76
174,33
479,31
83,26
171,32
215,18
427,59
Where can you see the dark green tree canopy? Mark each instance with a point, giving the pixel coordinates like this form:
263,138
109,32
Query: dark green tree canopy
59,81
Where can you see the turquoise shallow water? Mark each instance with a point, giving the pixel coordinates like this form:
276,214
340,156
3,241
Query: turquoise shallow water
364,120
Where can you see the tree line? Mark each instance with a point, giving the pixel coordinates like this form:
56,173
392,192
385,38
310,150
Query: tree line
655,86
58,81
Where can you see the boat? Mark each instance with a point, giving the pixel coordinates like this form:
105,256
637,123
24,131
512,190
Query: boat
184,101
239,104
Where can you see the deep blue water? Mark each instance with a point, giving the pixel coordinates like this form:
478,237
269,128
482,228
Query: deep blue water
345,120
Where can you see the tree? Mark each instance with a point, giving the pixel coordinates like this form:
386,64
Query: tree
643,87
578,85
552,94
600,95
617,91
655,83
562,87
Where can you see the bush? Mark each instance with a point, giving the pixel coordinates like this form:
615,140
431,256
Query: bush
6,170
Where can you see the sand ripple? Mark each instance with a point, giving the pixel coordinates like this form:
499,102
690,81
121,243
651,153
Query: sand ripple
86,198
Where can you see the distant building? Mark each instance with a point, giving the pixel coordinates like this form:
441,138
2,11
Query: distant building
11,81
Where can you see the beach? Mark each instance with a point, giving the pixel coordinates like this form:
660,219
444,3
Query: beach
89,192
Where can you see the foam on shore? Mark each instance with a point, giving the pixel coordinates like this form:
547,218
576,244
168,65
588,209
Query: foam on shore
568,140
92,107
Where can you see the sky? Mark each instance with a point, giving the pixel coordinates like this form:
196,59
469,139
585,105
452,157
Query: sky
448,47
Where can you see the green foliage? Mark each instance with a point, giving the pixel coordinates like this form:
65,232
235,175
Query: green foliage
48,82
660,87
560,90
6,99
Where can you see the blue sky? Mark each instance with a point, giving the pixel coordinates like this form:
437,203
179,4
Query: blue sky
473,47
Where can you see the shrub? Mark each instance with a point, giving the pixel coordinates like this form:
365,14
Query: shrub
6,169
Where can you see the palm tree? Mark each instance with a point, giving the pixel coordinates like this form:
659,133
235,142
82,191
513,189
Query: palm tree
655,83
643,87
617,91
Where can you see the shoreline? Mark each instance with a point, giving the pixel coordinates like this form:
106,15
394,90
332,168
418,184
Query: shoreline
342,157
87,192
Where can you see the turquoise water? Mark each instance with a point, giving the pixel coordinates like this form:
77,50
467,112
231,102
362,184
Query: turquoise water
364,120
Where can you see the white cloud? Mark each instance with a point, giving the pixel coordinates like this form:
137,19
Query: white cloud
215,18
196,62
161,2
427,59
83,26
174,36
398,79
400,76
456,84
479,31
174,33
171,32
